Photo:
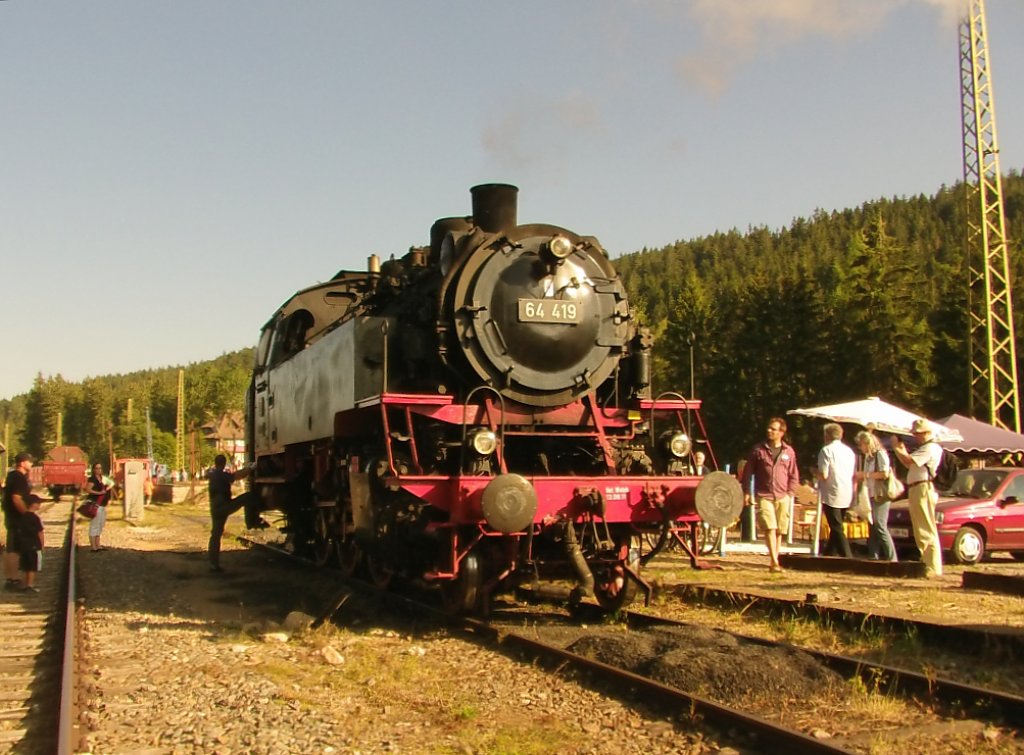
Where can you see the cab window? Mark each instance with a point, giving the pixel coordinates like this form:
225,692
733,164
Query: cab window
263,348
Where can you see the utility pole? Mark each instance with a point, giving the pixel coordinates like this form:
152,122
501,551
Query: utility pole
691,342
992,351
179,430
149,441
192,465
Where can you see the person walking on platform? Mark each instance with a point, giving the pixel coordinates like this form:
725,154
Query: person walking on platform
837,465
921,467
771,468
221,504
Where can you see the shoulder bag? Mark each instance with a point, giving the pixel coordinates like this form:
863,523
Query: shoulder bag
894,489
89,509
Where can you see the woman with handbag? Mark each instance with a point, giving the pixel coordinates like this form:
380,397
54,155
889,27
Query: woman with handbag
875,473
98,488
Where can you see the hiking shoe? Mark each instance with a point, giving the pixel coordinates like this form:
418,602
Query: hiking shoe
215,568
29,588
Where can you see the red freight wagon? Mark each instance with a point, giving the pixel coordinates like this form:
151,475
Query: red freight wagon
65,470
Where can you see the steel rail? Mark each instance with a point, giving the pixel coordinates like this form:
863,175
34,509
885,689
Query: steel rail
67,734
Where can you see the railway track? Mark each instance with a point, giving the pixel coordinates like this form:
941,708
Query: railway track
37,681
991,705
671,701
996,641
957,700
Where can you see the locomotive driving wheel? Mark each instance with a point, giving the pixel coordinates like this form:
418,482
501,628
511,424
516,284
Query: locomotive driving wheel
379,572
324,519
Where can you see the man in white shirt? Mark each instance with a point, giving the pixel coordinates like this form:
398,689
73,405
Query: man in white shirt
921,466
837,464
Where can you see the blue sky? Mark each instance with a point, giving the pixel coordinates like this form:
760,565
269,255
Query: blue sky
171,172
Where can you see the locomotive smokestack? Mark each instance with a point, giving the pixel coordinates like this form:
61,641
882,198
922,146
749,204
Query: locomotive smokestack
494,206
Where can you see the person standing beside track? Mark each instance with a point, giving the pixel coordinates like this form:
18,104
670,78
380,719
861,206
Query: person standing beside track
874,474
837,465
221,505
17,494
99,488
921,467
30,545
772,467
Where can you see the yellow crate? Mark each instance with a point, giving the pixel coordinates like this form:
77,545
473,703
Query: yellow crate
853,530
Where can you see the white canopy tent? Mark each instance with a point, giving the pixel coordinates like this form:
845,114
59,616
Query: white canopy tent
876,414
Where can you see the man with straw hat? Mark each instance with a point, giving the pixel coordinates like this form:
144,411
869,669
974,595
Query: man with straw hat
921,466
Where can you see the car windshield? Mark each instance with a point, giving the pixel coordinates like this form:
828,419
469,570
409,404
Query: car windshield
977,483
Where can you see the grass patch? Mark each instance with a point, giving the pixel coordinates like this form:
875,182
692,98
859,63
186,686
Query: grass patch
867,699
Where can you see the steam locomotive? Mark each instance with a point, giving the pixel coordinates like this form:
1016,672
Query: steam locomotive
478,415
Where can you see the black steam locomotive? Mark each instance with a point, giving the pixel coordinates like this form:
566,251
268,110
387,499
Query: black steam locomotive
477,414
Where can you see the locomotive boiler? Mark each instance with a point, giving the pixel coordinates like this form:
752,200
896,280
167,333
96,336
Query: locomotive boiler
477,415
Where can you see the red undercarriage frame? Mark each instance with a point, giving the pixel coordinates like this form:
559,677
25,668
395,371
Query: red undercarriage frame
643,501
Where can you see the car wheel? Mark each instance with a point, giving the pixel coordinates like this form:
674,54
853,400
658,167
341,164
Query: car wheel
968,546
1017,555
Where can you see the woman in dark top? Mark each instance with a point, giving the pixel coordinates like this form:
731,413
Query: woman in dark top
98,488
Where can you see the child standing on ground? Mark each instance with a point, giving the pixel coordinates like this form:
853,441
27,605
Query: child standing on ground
30,540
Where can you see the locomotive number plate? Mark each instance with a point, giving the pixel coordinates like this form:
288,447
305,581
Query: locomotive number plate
548,310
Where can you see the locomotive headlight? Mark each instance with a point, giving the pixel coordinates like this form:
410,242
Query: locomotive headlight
484,442
560,247
679,445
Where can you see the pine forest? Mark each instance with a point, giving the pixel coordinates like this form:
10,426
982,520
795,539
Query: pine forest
842,305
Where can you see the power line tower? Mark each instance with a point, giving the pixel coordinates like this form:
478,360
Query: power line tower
991,344
179,430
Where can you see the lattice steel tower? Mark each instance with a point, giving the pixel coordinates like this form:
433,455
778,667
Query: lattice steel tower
991,345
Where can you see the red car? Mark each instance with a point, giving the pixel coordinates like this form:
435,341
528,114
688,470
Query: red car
982,512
